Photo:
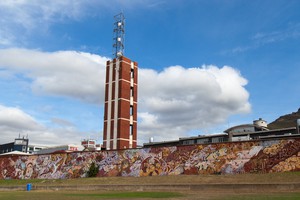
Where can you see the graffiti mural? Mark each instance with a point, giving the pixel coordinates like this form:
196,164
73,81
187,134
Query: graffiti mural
221,158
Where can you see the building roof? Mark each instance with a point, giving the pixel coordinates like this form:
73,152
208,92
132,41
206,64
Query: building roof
14,153
203,136
266,131
161,143
245,125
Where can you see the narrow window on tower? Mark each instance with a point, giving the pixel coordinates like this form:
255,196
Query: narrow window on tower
131,129
131,92
131,78
131,73
131,110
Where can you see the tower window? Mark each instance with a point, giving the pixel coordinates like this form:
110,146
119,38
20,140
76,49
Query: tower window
132,73
131,110
131,129
131,92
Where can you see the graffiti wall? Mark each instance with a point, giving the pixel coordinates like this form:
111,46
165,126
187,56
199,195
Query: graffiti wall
223,158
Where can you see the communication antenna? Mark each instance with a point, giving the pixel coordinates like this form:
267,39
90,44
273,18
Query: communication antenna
119,32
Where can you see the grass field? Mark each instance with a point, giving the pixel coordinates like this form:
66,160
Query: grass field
288,177
46,195
278,196
92,195
293,177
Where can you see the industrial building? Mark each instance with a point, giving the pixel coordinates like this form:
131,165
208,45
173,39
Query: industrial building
33,149
20,145
258,130
60,149
245,132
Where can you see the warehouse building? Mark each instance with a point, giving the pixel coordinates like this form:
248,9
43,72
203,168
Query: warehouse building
245,132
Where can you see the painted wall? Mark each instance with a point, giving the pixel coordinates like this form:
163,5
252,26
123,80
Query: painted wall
223,158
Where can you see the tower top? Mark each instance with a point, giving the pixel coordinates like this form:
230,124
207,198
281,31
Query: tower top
118,35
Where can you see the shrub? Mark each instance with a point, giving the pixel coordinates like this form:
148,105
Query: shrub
93,170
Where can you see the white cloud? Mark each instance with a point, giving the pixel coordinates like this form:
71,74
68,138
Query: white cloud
63,73
14,118
62,122
22,19
172,102
292,31
178,100
31,13
15,122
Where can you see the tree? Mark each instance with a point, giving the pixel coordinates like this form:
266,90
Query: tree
93,170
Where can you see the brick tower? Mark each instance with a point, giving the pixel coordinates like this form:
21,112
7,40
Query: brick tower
120,111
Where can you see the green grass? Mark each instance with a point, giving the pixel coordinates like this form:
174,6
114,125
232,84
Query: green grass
287,177
92,195
58,195
131,195
272,196
10,182
290,177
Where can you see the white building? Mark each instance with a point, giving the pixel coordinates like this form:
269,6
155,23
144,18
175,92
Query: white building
62,148
90,145
33,149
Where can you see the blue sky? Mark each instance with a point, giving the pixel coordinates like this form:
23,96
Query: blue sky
203,65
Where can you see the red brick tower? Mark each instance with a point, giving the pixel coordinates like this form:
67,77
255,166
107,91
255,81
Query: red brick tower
120,112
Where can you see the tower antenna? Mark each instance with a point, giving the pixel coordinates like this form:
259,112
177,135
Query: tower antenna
119,33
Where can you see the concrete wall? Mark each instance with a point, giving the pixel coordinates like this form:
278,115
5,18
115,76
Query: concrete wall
223,158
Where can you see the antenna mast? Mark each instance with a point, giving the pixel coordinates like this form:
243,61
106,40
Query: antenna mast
119,32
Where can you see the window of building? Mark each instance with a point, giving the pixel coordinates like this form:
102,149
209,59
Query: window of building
131,110
203,141
131,92
188,142
131,129
219,139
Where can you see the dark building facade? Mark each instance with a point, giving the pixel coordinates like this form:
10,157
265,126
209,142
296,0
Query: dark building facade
20,144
